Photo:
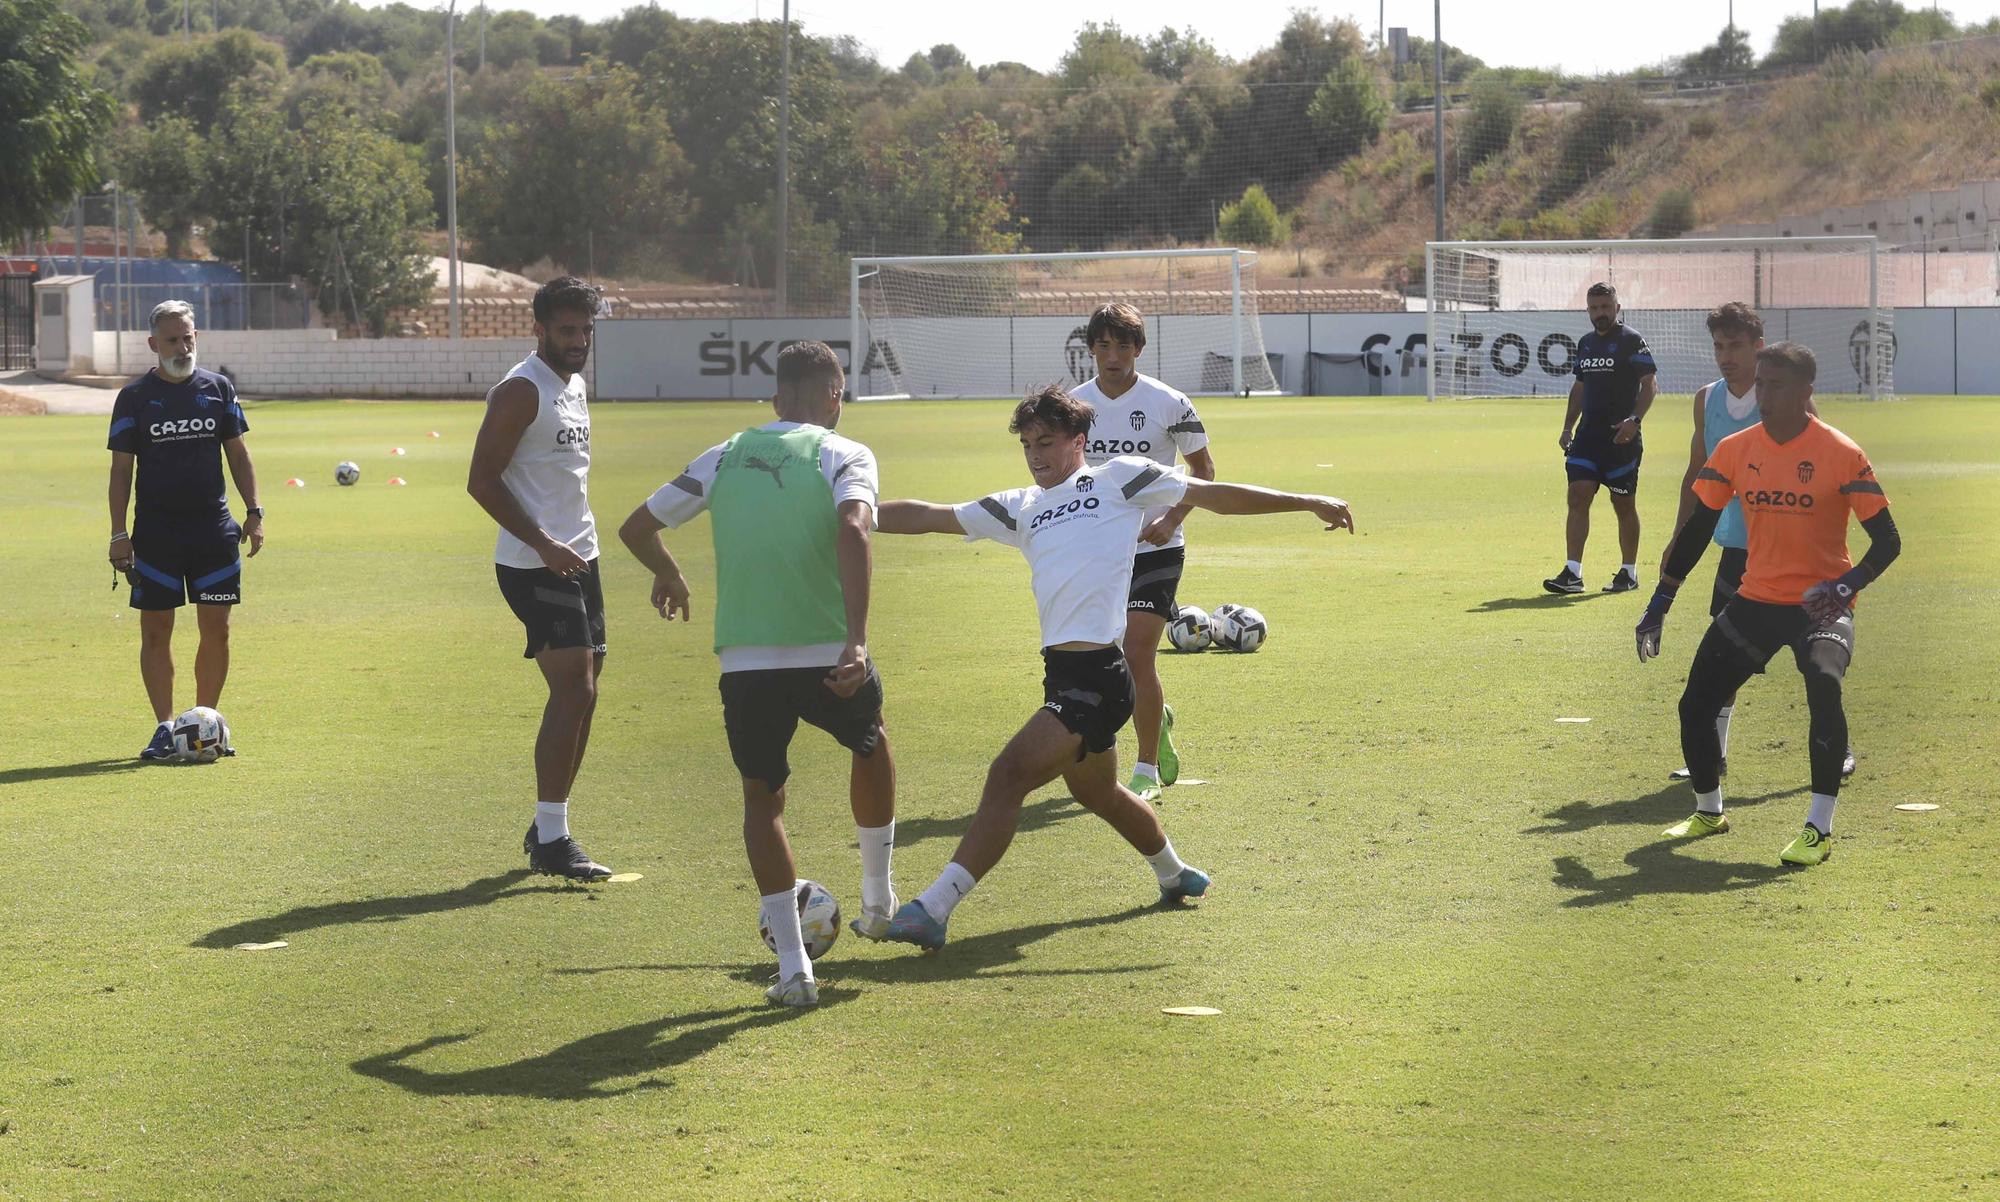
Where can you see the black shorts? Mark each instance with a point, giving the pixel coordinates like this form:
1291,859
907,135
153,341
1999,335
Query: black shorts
1728,578
1758,630
1602,461
558,613
1090,693
182,558
761,711
1156,579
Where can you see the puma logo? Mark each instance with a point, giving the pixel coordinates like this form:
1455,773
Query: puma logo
1753,467
758,465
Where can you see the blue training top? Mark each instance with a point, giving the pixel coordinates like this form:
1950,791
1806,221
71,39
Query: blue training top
1610,367
176,431
1716,425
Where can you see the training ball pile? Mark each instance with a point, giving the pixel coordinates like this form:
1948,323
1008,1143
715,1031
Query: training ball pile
1238,628
200,736
1231,627
819,919
347,473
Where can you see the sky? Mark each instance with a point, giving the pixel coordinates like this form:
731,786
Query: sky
1513,33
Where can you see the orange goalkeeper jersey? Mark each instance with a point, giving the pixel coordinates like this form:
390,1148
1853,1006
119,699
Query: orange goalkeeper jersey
1796,497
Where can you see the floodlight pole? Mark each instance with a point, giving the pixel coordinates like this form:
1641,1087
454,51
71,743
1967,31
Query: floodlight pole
784,158
1437,115
451,157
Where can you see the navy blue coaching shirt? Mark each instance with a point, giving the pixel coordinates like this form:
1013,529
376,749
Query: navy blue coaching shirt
176,431
1610,367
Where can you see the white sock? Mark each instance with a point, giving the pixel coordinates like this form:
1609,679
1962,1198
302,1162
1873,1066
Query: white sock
1575,566
1166,864
780,912
1150,771
1629,569
1821,813
1722,727
551,820
878,844
1709,803
947,891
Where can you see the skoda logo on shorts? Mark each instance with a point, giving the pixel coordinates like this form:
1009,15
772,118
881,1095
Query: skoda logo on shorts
1805,471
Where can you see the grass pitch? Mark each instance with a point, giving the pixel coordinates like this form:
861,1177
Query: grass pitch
1453,956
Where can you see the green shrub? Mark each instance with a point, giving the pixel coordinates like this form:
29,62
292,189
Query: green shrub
1673,214
1254,220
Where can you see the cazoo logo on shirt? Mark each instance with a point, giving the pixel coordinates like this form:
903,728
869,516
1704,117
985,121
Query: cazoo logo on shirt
183,426
573,436
1061,511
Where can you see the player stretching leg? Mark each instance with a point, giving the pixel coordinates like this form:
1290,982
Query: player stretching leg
1798,479
1615,385
790,504
1075,527
1159,423
1721,409
531,471
169,426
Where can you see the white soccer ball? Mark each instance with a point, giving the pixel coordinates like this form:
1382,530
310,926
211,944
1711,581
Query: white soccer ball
819,919
347,473
200,736
1191,629
1240,628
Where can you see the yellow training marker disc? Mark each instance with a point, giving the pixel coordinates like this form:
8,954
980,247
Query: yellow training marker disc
1916,807
259,947
624,878
1191,1011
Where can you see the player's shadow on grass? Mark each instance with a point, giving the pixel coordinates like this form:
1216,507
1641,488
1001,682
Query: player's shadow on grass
291,923
1034,816
969,957
1537,601
22,776
1663,808
1658,869
578,1070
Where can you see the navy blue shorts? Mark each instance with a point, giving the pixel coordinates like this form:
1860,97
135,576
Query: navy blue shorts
1602,461
183,558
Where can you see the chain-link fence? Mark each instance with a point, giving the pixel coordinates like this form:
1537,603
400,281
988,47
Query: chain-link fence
216,306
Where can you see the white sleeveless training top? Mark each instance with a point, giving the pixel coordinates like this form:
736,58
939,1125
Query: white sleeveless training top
550,472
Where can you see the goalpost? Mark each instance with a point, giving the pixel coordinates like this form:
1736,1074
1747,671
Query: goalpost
999,325
1504,317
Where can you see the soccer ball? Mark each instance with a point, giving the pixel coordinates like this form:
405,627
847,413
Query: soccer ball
347,473
819,919
1239,628
1191,629
200,736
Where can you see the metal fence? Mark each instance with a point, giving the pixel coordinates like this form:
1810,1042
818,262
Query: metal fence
216,306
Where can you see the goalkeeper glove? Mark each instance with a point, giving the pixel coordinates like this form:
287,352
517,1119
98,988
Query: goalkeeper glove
1830,600
1647,633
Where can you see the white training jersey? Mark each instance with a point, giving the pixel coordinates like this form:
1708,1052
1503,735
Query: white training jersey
550,471
850,471
1149,420
1078,540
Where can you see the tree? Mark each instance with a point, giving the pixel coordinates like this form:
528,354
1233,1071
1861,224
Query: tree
576,165
1611,116
1348,111
1496,112
1254,220
1862,25
1175,56
51,117
1730,56
1284,80
331,200
1673,214
190,79
1102,54
166,163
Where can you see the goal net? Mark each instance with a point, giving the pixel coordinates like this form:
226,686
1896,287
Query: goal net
1000,325
1505,316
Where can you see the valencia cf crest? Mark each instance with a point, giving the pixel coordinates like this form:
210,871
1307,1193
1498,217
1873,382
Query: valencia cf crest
1805,471
1138,419
1083,484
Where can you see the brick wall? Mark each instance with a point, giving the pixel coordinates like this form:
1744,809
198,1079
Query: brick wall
312,363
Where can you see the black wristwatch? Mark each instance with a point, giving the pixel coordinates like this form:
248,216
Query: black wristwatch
255,511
